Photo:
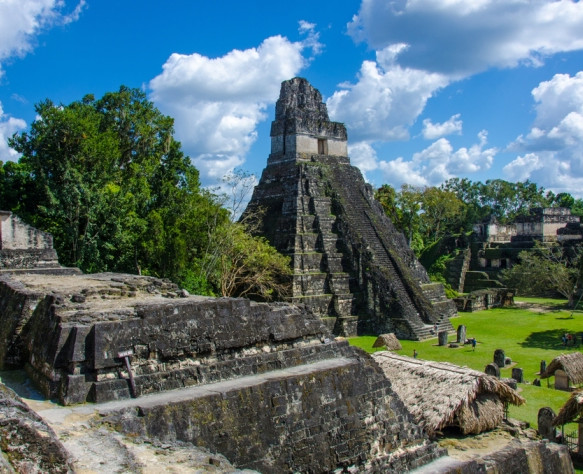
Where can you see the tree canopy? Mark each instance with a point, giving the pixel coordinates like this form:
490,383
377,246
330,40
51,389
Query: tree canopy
107,178
546,271
426,214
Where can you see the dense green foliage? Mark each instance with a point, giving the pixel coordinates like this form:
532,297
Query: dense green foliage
546,270
526,336
427,214
107,178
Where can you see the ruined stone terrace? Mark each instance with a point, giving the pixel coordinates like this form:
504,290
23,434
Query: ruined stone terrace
263,384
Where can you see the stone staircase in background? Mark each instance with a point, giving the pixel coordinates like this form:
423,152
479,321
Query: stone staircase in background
320,279
361,217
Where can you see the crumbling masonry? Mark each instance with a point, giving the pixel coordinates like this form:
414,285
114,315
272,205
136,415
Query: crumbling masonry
351,266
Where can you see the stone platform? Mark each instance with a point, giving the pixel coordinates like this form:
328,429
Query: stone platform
263,384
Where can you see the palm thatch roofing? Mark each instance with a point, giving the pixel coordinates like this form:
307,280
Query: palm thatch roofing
571,364
439,394
570,410
389,341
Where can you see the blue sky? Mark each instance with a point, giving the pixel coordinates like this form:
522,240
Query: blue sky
428,89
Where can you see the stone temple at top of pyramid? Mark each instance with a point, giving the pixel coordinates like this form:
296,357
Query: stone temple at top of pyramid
301,127
350,264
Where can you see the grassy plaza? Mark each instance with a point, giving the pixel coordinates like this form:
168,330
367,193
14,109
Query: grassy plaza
528,333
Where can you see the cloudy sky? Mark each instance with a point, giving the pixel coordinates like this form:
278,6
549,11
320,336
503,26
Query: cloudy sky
428,89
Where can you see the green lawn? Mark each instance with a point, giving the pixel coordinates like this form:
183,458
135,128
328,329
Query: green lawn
527,337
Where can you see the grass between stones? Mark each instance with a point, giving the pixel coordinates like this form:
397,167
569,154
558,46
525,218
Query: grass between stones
528,333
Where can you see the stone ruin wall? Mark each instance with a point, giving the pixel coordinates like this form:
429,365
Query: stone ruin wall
15,234
264,387
24,248
261,383
542,223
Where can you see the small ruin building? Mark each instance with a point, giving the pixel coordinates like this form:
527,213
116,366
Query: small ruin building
350,265
548,224
567,370
442,395
494,246
26,249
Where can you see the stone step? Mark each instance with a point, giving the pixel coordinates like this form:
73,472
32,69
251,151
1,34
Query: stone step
321,206
321,305
305,224
310,284
311,262
305,243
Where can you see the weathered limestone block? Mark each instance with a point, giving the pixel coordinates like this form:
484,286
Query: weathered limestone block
15,234
442,338
27,443
71,342
16,307
493,370
500,358
305,424
461,334
519,456
518,374
533,456
545,419
26,249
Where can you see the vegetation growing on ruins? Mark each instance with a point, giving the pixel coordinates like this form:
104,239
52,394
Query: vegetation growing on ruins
426,214
108,180
547,270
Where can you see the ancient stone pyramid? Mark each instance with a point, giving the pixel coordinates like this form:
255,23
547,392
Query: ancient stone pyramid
351,266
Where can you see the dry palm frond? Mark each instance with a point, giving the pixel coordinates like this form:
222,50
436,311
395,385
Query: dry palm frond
571,364
439,394
570,410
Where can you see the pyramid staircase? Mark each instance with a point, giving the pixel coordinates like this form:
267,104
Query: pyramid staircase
319,278
362,216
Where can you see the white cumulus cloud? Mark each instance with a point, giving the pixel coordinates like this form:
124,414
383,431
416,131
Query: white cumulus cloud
438,162
22,20
431,130
8,127
554,146
462,37
363,156
218,102
386,99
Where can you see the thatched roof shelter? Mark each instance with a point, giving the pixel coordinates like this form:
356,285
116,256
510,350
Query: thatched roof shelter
571,410
389,341
571,364
439,394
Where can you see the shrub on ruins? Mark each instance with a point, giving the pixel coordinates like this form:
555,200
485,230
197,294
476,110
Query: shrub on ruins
237,261
547,270
248,266
424,215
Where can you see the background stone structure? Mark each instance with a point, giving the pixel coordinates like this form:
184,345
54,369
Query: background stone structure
26,249
541,224
351,266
